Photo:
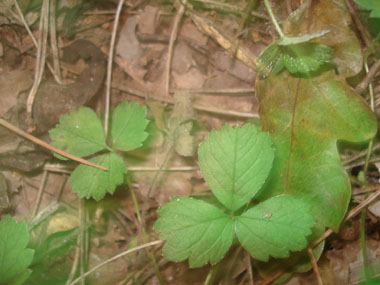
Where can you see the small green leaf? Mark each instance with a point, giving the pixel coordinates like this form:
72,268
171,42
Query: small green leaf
307,57
90,182
128,126
270,60
275,227
194,229
14,256
79,133
373,5
296,54
235,163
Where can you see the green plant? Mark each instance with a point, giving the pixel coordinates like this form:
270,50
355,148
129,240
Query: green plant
235,163
298,55
372,5
81,133
15,257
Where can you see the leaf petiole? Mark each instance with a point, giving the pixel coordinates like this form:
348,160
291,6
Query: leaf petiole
274,21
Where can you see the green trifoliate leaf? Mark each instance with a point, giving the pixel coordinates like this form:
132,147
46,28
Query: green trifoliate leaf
194,229
275,227
372,5
14,256
90,182
235,163
296,54
128,126
79,133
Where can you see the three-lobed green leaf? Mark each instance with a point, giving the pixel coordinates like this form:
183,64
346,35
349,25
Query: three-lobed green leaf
128,126
231,160
235,163
79,133
194,229
15,257
90,182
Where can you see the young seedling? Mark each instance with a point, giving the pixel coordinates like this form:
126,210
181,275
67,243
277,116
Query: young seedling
81,133
235,163
298,55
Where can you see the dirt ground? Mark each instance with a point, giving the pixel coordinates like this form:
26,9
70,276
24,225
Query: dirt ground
203,53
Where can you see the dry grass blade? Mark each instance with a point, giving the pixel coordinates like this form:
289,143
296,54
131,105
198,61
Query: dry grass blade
173,37
198,107
156,242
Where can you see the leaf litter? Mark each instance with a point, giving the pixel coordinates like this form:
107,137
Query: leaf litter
199,64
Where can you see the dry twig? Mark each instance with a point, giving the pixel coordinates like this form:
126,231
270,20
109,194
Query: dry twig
173,37
109,66
46,145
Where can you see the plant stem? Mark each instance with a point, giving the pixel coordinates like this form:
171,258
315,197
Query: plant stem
143,232
274,21
363,214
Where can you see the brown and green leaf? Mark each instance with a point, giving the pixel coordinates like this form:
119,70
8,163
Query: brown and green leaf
306,118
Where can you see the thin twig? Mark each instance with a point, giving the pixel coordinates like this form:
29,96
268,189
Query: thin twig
53,40
40,193
116,257
173,37
57,79
75,262
25,23
82,230
229,7
109,66
358,23
250,271
221,91
352,214
368,78
41,57
16,130
315,266
360,154
205,26
198,107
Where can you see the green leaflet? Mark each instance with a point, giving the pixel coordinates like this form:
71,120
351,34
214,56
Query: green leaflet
372,5
128,126
79,133
235,163
194,229
15,257
305,118
90,182
274,227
